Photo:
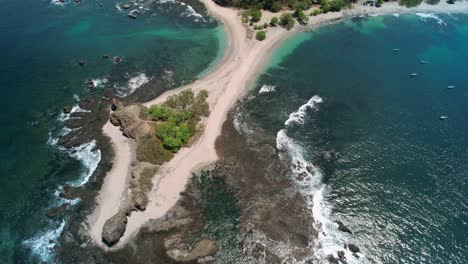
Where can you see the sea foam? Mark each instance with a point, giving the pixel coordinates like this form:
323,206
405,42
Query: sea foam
298,116
133,84
308,179
425,16
43,243
267,89
90,156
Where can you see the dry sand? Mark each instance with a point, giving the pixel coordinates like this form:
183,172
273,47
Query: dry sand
227,82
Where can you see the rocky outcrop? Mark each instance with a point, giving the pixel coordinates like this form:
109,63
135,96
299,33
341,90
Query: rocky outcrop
141,183
353,248
203,248
114,228
132,126
55,211
343,228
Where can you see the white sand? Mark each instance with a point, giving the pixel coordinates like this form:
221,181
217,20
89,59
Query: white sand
227,82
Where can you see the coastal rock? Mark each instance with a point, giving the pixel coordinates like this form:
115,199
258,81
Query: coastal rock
82,63
342,227
114,228
67,109
116,104
69,192
131,124
341,257
54,211
140,201
332,259
353,248
204,247
126,5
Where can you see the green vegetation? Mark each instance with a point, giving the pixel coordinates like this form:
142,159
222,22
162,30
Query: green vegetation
177,118
261,35
245,17
410,3
301,17
274,21
256,14
287,21
277,5
333,6
316,12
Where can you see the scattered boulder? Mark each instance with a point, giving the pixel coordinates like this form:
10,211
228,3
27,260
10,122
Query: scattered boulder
54,211
105,56
67,109
117,59
332,259
116,104
126,5
114,228
82,63
353,248
341,257
342,227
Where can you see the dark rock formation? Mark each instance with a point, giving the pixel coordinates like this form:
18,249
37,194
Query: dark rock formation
140,200
341,257
114,228
342,227
82,63
117,59
332,259
54,211
353,248
67,109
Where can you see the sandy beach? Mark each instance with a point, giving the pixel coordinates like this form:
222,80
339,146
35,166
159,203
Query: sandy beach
244,58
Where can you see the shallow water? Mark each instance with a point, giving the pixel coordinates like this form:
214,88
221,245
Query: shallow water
41,45
399,181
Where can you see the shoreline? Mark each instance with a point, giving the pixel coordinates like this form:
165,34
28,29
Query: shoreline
226,82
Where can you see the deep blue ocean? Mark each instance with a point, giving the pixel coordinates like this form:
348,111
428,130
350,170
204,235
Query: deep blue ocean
399,181
41,45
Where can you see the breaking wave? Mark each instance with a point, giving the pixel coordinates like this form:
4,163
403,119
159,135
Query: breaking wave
133,84
42,244
267,89
298,116
425,16
308,179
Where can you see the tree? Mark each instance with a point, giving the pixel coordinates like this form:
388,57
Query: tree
160,113
274,21
301,17
261,35
287,21
256,14
276,6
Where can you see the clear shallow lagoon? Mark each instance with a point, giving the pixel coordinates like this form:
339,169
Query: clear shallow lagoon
400,179
41,45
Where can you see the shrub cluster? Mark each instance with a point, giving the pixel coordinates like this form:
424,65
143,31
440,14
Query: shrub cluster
261,35
177,118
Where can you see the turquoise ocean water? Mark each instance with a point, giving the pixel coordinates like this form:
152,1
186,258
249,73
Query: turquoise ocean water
399,181
42,43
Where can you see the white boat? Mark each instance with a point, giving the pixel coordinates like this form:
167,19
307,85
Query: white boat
451,87
396,50
413,74
443,117
423,62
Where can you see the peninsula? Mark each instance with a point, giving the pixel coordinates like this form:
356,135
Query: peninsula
244,58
